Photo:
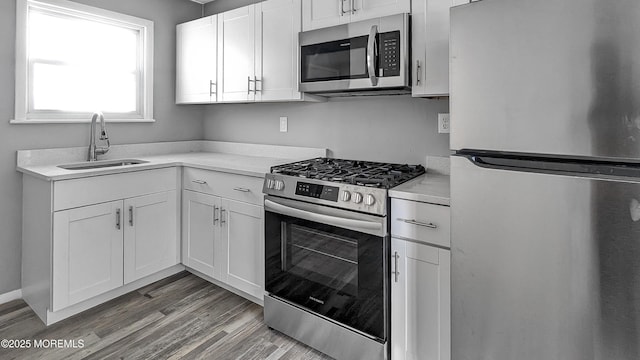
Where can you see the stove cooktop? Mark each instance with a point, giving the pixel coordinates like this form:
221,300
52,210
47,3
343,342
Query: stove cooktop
354,172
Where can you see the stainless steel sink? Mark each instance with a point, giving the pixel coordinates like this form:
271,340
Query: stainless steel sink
101,164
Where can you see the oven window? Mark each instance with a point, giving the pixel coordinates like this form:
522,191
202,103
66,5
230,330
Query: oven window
335,60
332,271
324,258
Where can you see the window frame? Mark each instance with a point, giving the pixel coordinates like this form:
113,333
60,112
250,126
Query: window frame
23,91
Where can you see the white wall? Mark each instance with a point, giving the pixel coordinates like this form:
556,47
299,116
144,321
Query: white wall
393,129
173,122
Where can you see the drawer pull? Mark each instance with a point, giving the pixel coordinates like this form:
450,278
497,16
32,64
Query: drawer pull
130,215
118,218
242,189
222,220
201,182
419,223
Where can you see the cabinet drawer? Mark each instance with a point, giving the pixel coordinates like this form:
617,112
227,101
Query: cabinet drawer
98,189
421,221
226,185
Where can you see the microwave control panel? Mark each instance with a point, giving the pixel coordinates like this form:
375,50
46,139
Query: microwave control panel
389,63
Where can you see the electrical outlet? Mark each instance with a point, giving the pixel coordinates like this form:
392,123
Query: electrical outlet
283,124
443,123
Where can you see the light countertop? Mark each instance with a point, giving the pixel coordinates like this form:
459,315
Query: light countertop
249,163
430,188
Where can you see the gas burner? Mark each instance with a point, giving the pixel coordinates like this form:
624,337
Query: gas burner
355,172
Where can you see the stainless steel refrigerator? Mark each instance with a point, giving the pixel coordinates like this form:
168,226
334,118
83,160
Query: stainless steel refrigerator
545,180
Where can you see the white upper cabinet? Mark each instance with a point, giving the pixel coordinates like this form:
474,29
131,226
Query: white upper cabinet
196,61
318,14
430,47
236,43
367,9
276,50
243,55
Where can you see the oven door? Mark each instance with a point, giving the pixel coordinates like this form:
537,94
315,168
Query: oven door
330,261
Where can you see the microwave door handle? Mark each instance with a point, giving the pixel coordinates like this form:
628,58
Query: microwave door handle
358,225
372,57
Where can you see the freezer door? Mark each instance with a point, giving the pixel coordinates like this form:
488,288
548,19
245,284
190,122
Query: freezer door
547,77
544,266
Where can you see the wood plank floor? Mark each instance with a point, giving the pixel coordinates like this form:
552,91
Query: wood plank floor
181,317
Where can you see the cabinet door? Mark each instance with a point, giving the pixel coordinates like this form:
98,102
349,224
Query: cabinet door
151,238
318,14
277,26
236,34
201,232
196,70
420,302
430,47
243,245
368,9
87,252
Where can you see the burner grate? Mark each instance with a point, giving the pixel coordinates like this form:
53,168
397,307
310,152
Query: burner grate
364,173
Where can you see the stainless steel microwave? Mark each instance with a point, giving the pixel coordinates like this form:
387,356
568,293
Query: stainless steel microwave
365,57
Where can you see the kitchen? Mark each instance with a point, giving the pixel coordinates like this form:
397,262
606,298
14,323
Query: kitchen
394,129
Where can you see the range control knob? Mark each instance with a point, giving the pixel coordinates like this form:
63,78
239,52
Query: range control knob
279,185
357,197
345,196
270,183
369,200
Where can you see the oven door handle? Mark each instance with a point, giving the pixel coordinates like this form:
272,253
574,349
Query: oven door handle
372,57
354,224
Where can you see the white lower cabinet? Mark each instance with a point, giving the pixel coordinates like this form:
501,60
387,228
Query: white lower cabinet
223,238
90,239
243,246
420,301
150,235
420,281
200,232
87,253
97,248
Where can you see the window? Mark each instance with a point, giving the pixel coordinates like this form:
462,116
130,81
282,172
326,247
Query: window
73,59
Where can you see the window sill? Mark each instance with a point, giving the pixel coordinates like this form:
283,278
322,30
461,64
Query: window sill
76,121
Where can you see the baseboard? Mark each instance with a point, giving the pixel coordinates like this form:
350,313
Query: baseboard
10,296
226,287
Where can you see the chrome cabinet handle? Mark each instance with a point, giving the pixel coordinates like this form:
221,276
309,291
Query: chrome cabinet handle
342,12
256,81
396,273
353,7
419,223
418,72
222,220
130,215
211,85
249,81
215,214
372,60
201,182
242,189
118,218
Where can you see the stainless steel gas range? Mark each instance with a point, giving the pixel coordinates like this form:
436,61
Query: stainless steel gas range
327,253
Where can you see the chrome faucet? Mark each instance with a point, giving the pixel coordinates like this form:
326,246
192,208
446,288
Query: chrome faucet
95,150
